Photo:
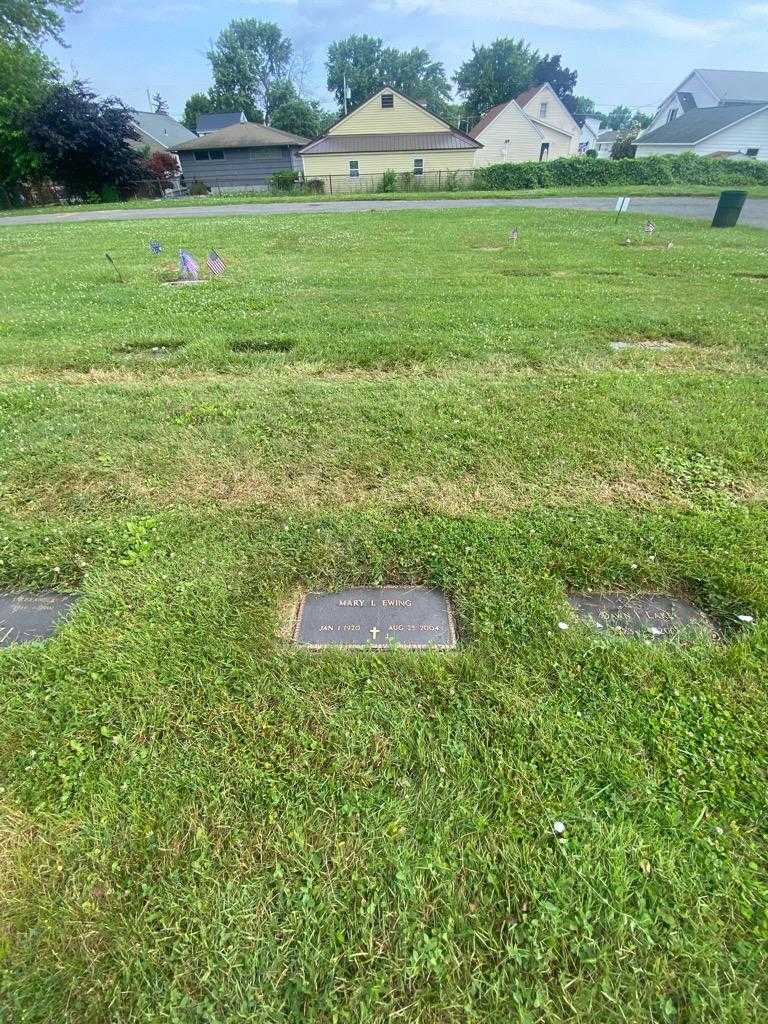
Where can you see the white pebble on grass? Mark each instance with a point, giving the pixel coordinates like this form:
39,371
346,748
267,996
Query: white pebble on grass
563,625
745,618
559,828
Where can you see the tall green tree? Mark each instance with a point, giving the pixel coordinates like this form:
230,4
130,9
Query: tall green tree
368,65
619,119
563,80
25,78
29,21
197,104
495,73
82,141
248,59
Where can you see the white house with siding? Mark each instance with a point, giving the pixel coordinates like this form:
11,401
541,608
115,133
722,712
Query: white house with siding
733,131
553,119
507,136
714,113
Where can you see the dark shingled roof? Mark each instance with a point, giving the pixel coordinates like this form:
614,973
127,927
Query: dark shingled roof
385,142
242,136
699,124
527,96
213,122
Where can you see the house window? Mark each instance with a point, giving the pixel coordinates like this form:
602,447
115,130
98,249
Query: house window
387,99
217,154
418,165
672,115
544,152
354,169
201,154
543,111
752,152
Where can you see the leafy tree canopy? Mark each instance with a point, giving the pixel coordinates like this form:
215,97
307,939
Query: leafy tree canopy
25,77
213,102
82,142
495,73
368,65
550,69
248,59
619,119
29,21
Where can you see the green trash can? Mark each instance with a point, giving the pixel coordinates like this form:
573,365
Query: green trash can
728,209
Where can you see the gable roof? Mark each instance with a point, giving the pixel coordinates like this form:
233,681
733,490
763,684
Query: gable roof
488,117
376,142
396,92
162,128
736,86
609,136
242,136
213,122
698,124
527,96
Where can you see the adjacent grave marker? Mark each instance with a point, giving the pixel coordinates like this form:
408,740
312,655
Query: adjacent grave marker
27,615
648,615
378,618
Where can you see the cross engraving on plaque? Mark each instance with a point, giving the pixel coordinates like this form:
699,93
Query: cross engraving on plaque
374,633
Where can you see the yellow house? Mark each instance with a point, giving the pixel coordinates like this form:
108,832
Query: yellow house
548,113
508,136
389,131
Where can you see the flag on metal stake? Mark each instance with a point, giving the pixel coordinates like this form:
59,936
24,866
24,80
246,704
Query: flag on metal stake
188,265
215,263
513,236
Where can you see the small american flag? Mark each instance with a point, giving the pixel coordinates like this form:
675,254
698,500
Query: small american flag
188,265
215,263
156,248
513,236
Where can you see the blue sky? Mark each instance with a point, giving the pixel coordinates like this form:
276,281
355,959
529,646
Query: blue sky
631,52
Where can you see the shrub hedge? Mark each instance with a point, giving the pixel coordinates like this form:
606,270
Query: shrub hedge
684,169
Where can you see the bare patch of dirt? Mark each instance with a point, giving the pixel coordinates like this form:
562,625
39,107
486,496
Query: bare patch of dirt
651,344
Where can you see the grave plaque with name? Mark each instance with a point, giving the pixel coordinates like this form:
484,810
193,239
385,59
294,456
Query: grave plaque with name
377,618
27,615
654,616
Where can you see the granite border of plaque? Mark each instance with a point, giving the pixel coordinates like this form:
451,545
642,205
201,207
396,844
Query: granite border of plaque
27,616
651,616
412,617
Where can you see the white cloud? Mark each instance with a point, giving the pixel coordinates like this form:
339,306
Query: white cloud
646,18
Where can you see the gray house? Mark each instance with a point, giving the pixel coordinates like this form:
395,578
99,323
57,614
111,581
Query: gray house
241,156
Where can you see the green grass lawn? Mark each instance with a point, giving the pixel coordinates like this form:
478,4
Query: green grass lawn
755,191
199,823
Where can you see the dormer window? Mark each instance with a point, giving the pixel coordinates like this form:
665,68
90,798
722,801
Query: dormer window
672,115
387,100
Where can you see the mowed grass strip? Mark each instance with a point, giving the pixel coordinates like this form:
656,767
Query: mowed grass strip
199,822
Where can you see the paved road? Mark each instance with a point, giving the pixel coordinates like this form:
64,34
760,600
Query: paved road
755,211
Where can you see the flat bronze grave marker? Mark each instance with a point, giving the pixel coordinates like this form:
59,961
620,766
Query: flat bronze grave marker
377,618
655,616
27,615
